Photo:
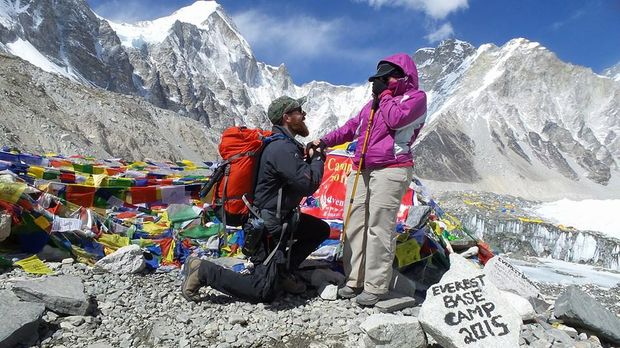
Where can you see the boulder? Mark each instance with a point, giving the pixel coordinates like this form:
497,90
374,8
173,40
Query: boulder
578,309
20,320
389,330
507,277
466,310
126,260
62,294
520,304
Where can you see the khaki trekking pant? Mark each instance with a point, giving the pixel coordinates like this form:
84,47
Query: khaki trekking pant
370,239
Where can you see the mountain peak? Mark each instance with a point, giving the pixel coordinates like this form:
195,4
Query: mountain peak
613,72
523,43
195,13
155,31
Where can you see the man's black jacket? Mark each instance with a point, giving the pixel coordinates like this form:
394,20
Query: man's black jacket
282,165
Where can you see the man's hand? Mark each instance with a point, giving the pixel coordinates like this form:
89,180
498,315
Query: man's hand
317,153
320,143
309,149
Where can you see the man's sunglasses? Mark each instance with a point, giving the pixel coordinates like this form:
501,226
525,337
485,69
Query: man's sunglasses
297,109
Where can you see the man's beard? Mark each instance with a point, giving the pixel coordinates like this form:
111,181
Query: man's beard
300,129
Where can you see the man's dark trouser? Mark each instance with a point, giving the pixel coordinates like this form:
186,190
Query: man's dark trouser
309,234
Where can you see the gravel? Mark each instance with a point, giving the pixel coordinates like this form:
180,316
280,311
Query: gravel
146,310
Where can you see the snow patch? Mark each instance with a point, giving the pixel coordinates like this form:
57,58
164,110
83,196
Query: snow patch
9,10
26,51
589,214
562,272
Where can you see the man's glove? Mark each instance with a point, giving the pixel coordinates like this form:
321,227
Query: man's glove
378,86
318,154
309,146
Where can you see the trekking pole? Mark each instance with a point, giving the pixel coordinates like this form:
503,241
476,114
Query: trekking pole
340,250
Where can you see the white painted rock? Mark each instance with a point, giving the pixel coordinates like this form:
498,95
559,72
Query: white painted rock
507,277
466,310
520,304
128,259
389,330
328,292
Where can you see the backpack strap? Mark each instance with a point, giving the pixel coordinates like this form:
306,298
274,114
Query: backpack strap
284,227
226,175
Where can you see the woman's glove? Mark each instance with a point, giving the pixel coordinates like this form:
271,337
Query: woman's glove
378,86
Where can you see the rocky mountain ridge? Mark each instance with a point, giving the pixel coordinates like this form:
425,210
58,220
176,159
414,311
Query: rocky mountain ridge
512,117
506,119
46,113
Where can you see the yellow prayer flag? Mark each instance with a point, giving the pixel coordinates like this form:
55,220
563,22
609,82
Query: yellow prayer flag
153,228
35,171
42,222
33,265
341,146
113,241
11,192
407,252
98,179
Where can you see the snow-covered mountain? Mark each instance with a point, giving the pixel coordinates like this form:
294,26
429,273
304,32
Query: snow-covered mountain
193,62
511,119
613,72
515,119
66,38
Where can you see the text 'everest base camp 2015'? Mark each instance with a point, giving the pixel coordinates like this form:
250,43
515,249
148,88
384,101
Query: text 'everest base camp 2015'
126,219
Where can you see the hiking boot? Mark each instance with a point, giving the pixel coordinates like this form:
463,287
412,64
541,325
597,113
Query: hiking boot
292,285
348,292
368,299
191,283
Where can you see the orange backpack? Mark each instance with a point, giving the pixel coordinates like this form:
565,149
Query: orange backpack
234,178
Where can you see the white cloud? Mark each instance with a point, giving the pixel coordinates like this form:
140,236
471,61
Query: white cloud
443,32
131,11
300,37
575,16
437,9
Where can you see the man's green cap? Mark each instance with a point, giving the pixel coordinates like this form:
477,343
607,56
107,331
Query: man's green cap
281,106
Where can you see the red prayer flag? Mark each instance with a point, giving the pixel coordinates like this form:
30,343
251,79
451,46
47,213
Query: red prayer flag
81,195
146,194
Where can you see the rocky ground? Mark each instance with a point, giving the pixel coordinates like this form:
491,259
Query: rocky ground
148,311
609,298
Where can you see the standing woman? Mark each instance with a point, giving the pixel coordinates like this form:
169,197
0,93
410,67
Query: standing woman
387,169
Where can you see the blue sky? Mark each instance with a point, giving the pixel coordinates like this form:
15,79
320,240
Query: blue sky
340,41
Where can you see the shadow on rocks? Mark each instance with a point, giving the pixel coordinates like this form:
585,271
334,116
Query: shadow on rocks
93,307
285,302
47,330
